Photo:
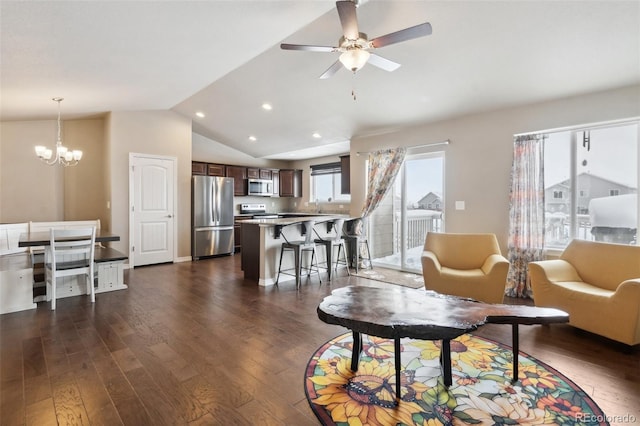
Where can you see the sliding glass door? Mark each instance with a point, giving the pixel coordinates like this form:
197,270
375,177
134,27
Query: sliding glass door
414,206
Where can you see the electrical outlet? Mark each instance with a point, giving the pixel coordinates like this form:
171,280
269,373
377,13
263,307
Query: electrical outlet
460,205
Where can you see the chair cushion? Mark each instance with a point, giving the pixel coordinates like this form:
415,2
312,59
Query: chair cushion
605,265
462,251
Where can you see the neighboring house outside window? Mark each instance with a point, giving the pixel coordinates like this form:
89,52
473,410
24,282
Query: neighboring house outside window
603,177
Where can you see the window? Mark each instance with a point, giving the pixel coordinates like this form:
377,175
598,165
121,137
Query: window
591,184
326,183
411,208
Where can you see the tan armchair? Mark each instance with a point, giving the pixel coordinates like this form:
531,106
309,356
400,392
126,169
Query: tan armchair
467,265
597,283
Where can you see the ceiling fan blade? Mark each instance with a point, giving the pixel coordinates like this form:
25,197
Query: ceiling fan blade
308,48
420,30
348,19
332,70
383,63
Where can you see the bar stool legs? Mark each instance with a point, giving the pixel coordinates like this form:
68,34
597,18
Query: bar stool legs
297,250
355,243
332,265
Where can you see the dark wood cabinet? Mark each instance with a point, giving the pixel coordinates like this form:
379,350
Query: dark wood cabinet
253,173
291,183
237,236
266,174
198,168
239,175
215,169
345,174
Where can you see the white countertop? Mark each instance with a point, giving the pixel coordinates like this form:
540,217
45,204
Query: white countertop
302,217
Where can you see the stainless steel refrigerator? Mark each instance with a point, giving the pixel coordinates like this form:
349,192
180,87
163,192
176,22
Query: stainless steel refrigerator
211,216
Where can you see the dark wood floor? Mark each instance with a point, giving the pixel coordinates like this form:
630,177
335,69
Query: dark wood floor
196,343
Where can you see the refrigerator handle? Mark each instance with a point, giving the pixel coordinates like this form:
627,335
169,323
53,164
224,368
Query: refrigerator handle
214,214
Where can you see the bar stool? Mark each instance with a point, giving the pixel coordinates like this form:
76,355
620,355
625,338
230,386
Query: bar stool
335,241
298,248
357,242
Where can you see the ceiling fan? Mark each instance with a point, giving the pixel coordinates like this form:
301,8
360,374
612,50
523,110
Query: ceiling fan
355,46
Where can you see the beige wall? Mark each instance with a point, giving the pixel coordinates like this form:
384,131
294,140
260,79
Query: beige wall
33,191
478,160
161,133
84,196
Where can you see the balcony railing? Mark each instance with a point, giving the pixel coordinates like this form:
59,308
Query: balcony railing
419,222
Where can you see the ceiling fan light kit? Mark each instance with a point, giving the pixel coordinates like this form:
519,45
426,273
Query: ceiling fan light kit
354,46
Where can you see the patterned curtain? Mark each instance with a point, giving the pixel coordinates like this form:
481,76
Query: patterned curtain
383,168
526,212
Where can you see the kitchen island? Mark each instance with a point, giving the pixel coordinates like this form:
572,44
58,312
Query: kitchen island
262,239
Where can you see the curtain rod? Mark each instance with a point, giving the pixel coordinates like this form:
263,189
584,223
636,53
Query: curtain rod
447,142
591,126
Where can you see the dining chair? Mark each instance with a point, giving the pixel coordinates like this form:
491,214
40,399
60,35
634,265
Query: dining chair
70,253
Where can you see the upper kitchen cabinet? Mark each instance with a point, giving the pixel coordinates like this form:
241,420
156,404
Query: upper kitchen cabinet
216,170
239,175
255,173
198,168
290,183
345,174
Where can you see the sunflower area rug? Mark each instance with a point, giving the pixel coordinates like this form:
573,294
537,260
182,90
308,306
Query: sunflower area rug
481,393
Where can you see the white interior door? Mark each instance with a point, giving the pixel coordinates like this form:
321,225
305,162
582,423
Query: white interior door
152,209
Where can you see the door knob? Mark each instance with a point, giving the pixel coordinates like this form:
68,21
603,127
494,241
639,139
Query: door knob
169,216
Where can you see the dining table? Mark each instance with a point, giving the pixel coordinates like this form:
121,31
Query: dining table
42,238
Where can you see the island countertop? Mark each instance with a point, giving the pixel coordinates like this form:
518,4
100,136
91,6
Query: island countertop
284,221
262,241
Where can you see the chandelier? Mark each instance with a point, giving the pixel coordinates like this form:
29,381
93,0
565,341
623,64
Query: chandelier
63,156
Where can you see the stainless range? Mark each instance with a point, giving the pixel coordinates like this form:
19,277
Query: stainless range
257,211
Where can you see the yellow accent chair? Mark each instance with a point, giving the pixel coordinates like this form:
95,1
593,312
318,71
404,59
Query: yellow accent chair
466,265
597,284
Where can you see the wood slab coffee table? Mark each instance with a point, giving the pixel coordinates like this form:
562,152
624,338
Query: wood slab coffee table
395,312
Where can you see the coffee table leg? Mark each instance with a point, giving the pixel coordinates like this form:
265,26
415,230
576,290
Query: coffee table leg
396,349
357,348
446,362
516,350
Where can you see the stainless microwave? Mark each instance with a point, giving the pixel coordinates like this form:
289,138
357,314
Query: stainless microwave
260,187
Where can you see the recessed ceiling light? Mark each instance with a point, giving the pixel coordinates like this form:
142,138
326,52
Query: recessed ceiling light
317,135
267,106
253,138
200,114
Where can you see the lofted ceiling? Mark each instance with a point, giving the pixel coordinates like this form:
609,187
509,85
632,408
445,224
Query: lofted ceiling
222,58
